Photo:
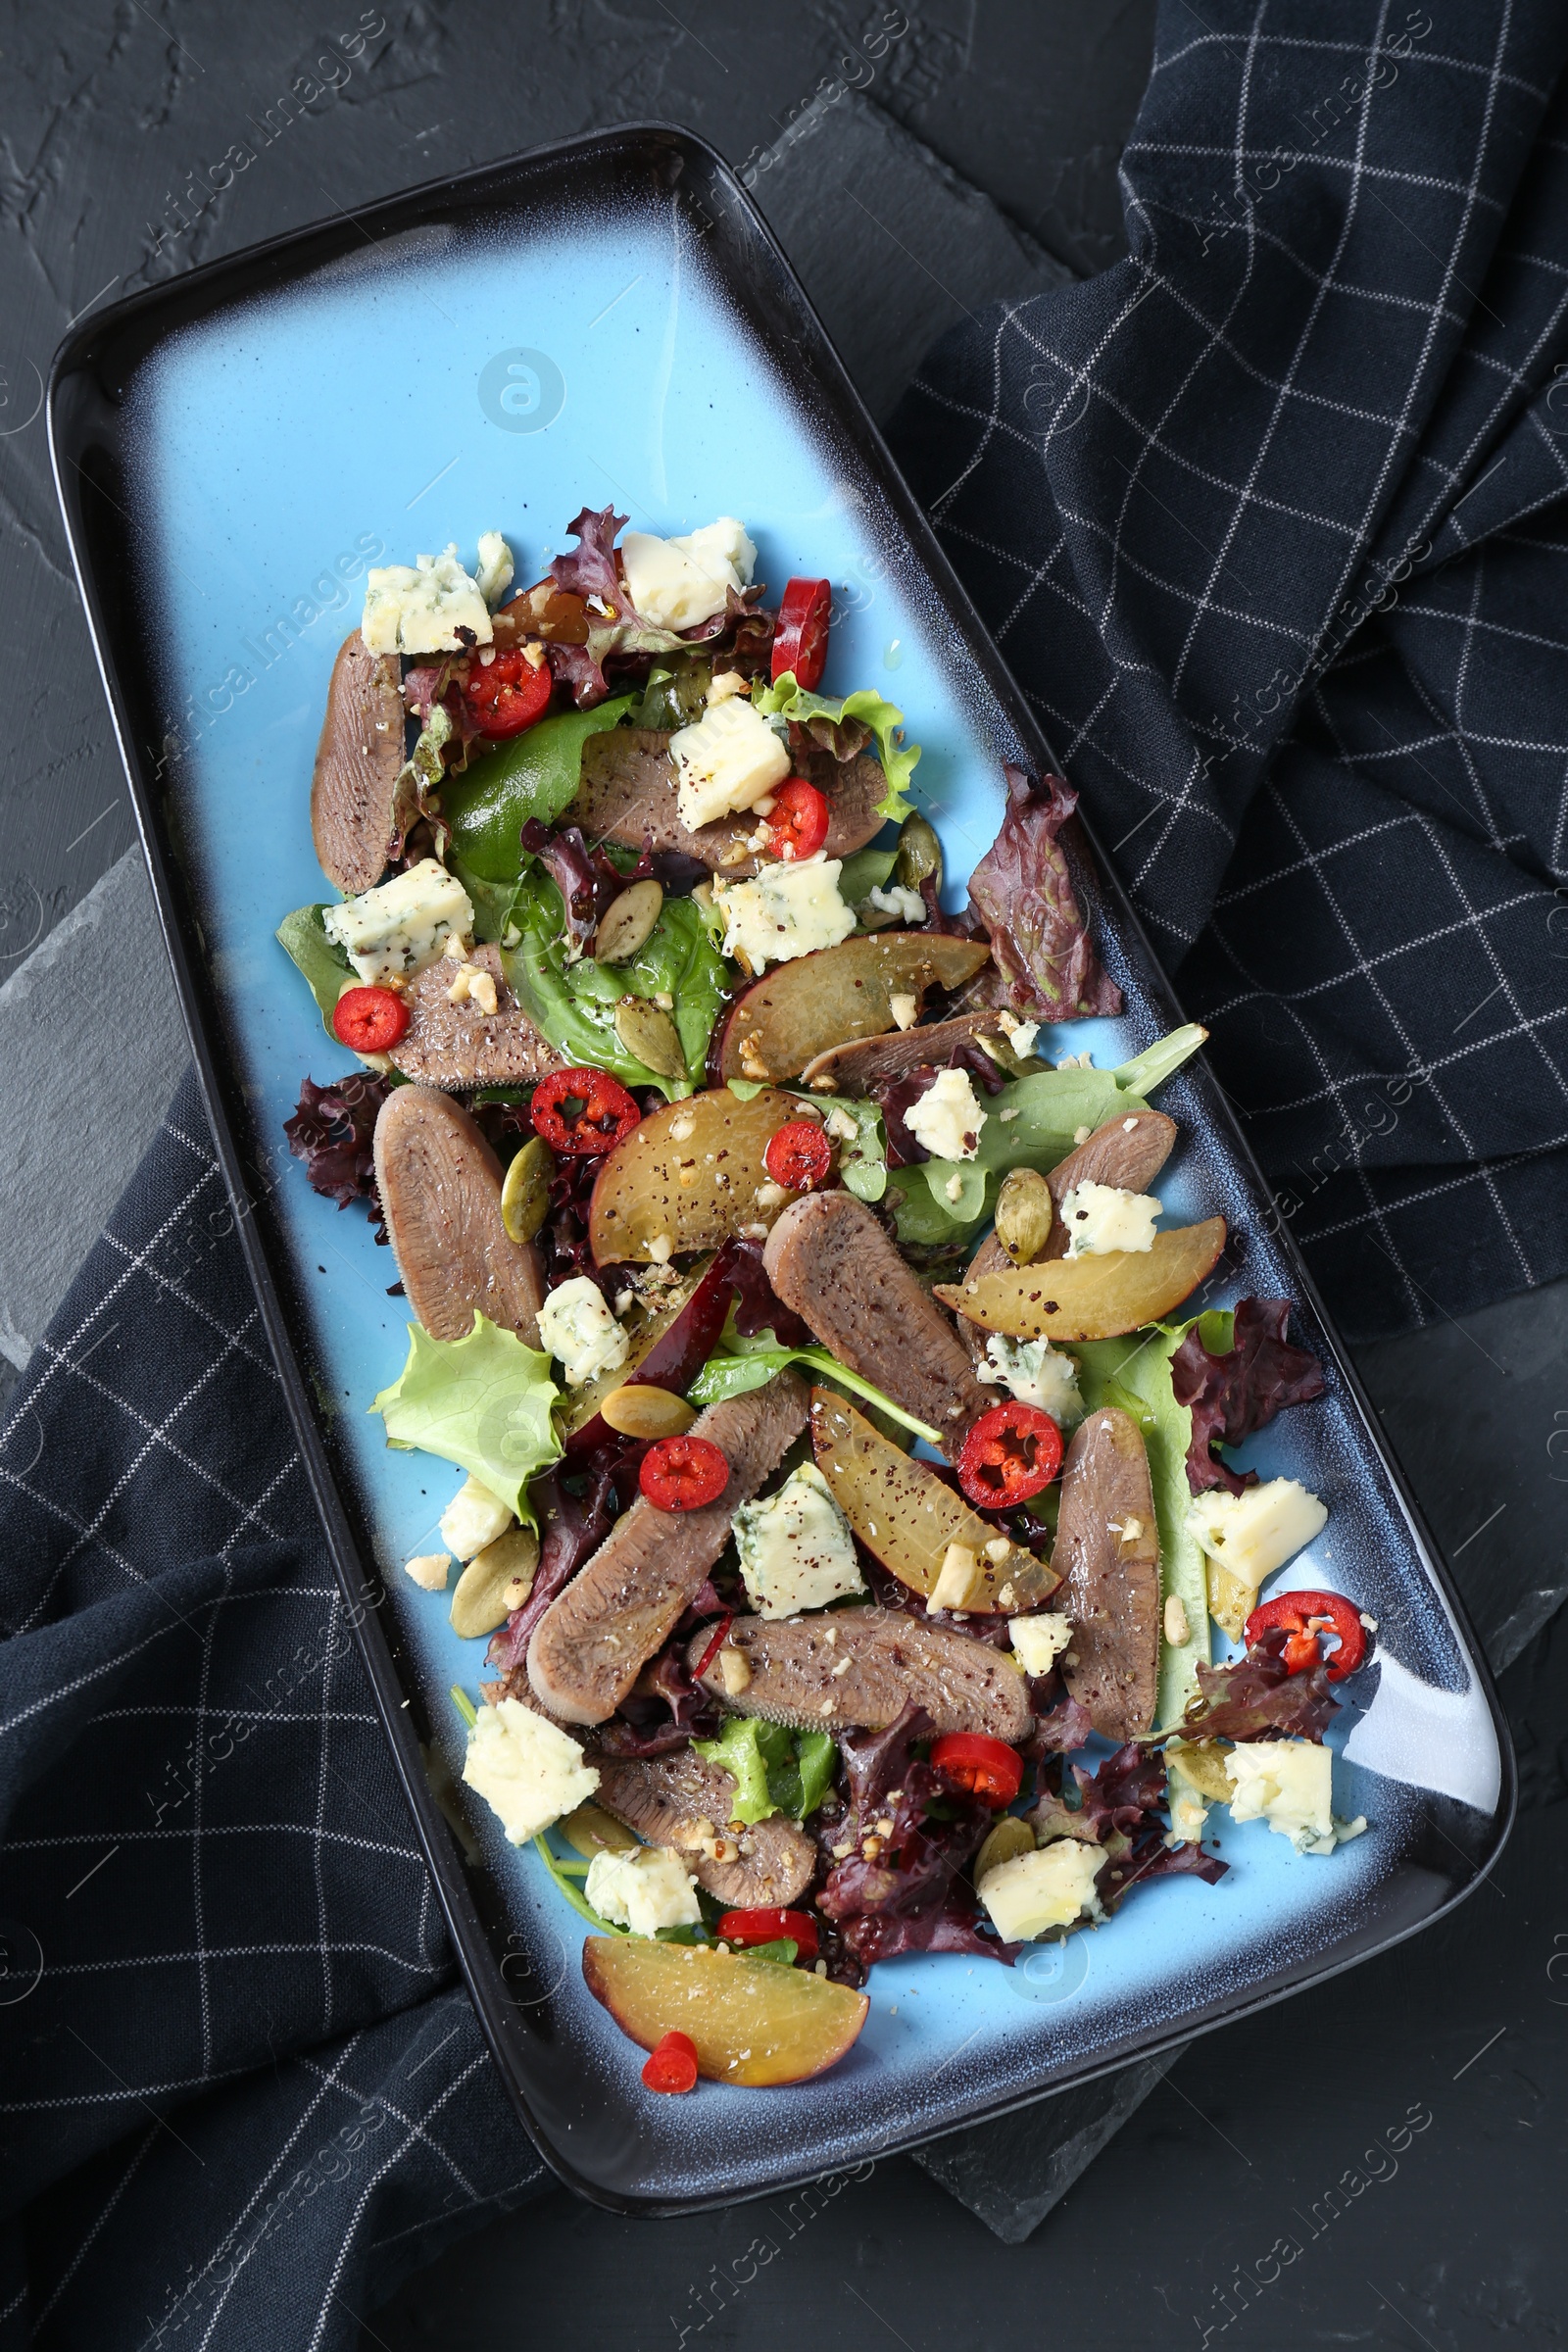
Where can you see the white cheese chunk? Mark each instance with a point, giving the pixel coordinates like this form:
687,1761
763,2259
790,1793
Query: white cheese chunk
1035,1373
474,1518
796,1550
576,1327
428,1570
393,931
526,1768
1099,1218
1038,1641
1047,1888
419,608
1252,1534
730,759
1286,1783
643,1887
899,900
787,911
492,572
947,1118
1022,1038
676,583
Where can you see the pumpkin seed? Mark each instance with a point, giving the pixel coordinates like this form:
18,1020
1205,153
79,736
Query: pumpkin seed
525,1193
627,923
652,1035
919,853
496,1580
1023,1214
637,1410
1006,1843
592,1831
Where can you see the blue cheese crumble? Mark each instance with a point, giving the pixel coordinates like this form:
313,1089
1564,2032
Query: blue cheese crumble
796,1550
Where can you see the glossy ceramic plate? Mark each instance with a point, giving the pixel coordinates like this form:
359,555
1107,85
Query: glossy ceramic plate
611,321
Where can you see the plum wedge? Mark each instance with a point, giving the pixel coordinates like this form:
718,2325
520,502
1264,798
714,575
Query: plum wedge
1099,1298
751,2021
799,1011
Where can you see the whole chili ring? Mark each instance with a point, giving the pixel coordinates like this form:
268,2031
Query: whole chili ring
1012,1452
1305,1615
582,1110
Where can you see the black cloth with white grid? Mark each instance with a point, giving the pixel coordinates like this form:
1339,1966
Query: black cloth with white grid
1268,521
240,2090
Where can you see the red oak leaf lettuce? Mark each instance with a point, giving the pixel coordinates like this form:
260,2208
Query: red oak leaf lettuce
1230,1396
1022,894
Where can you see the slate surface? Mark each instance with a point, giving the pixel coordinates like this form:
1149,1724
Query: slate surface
113,115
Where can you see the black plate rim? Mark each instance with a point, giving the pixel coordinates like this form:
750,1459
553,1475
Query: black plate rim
197,293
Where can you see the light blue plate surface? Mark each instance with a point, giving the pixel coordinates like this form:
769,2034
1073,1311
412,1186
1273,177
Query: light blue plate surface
376,411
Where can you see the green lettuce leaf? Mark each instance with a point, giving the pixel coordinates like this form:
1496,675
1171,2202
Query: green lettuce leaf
863,1165
734,1375
776,1770
864,871
1134,1373
535,775
574,1006
784,698
1050,1107
483,1403
321,961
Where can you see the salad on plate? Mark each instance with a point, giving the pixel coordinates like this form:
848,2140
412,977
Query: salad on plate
847,1491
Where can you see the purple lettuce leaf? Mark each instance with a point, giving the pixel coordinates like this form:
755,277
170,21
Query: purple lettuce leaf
662,1709
1230,1396
332,1132
616,628
1147,1857
1022,893
572,1526
1260,1698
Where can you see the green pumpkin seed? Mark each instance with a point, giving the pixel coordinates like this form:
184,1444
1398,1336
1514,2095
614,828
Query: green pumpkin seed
638,1410
652,1035
919,853
592,1831
496,1580
525,1193
627,923
1023,1214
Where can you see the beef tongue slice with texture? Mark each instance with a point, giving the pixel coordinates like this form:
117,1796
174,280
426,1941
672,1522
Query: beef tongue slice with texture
627,796
439,1184
841,1669
682,1801
457,1043
1128,1150
830,1259
358,761
594,1638
1107,1554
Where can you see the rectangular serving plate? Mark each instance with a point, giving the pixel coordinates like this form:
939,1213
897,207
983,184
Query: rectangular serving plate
611,321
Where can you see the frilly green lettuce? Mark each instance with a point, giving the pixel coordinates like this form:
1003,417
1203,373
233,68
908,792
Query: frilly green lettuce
483,1403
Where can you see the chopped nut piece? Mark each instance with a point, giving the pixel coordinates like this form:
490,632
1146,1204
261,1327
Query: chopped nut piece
482,989
734,1671
904,1008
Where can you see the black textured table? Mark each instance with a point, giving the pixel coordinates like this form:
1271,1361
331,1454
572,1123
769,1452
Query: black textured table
1378,2162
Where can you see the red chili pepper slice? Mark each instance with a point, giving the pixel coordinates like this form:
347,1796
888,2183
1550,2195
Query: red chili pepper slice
800,634
799,822
1012,1452
765,1926
672,2064
507,694
683,1474
715,1647
799,1155
582,1110
986,1767
370,1020
1295,1612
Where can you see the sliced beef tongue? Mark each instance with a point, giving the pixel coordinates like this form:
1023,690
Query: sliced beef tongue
870,1061
1108,1553
460,1045
356,766
439,1185
627,796
684,1802
1128,1150
830,1259
593,1640
862,1667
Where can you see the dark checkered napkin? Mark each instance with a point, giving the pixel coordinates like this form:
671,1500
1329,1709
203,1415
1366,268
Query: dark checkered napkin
1268,521
237,2085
